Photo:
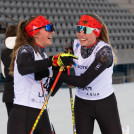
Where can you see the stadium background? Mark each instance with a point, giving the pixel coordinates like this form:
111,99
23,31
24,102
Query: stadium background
117,14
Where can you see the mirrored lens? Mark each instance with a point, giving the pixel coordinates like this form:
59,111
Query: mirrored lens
79,28
49,27
86,30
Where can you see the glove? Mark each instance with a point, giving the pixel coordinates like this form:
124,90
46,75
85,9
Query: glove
41,74
63,59
56,69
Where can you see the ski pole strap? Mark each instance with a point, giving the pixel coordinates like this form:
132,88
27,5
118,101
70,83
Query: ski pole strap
41,82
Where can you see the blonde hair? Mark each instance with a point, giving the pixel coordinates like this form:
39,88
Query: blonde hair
22,39
104,35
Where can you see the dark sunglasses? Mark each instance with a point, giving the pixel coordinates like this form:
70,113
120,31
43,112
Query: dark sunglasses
48,27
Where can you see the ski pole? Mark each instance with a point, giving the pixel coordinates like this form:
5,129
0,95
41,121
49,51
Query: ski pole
46,100
72,105
42,86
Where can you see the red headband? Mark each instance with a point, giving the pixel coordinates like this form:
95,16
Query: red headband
89,21
38,22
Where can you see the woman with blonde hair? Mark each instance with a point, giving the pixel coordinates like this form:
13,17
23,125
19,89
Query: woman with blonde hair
29,63
95,98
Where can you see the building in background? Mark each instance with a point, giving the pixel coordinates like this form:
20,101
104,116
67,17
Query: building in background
65,15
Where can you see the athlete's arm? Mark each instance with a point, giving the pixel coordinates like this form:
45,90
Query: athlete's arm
26,63
103,60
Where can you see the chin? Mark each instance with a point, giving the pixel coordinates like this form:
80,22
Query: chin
83,44
49,44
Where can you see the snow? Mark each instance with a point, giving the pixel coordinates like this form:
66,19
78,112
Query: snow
60,110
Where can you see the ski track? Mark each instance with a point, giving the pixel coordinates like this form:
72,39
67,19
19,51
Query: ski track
60,110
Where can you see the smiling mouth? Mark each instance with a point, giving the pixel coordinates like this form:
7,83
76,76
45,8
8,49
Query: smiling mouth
49,38
82,39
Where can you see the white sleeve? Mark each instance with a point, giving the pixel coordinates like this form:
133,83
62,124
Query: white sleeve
50,72
2,69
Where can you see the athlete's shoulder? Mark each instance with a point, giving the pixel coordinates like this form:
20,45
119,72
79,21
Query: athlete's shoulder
105,55
26,49
102,43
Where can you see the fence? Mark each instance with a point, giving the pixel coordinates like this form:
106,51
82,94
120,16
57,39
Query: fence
123,79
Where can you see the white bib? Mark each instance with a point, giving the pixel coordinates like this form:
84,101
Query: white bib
101,86
28,91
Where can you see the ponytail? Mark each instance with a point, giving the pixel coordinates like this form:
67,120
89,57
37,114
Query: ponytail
22,39
104,35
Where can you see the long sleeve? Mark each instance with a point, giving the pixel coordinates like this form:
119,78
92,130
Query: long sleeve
26,63
6,60
8,93
103,60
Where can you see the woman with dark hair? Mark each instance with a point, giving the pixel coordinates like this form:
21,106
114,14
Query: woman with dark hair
8,94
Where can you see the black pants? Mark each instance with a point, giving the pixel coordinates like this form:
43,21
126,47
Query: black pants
9,106
22,118
104,111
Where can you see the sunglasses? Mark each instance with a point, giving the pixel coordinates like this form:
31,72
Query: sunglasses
86,30
48,27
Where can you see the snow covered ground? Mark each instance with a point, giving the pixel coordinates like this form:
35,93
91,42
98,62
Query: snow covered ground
60,110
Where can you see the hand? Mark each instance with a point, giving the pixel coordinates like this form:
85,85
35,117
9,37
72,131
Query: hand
63,59
41,74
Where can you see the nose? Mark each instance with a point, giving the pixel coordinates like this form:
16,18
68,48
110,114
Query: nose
53,32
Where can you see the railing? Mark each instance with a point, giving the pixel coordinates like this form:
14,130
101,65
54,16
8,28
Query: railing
123,79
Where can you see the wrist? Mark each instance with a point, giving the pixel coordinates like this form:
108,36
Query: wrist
50,61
